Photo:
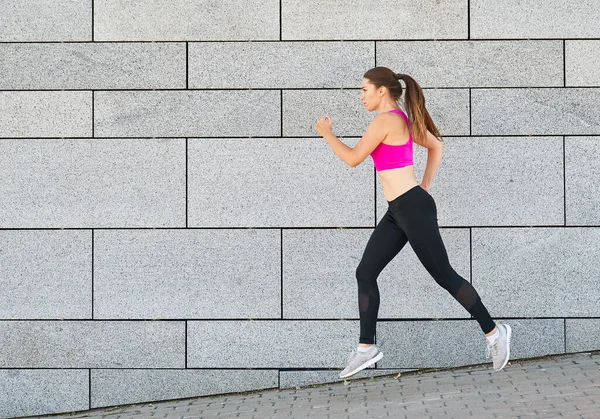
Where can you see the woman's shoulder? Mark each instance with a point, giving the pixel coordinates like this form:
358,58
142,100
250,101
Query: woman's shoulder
382,120
387,118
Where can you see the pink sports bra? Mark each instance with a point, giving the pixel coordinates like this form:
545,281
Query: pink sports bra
386,156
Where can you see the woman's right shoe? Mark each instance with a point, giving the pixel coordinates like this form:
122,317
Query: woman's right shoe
500,348
358,361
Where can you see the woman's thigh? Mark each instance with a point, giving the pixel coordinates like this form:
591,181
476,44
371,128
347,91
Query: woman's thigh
386,241
421,227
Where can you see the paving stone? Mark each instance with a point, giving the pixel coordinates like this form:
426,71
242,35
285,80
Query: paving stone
523,389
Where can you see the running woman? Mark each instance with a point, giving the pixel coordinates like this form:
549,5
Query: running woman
412,214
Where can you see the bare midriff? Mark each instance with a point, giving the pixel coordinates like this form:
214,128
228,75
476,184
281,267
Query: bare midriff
397,181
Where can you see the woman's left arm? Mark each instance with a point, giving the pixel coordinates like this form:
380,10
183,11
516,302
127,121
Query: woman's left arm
434,157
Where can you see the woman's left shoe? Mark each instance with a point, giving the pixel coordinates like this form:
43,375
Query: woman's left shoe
358,361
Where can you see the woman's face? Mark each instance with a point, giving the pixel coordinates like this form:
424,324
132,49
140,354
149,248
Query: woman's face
369,95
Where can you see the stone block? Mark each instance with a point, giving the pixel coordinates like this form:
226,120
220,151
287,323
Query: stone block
511,19
544,111
583,334
186,20
270,344
45,114
186,113
93,66
475,63
582,62
52,183
268,65
187,274
45,21
259,182
43,391
87,344
537,272
362,19
45,274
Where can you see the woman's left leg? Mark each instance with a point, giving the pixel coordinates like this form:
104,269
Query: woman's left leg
416,214
419,222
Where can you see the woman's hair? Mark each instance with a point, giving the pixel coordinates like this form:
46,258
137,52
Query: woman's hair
414,101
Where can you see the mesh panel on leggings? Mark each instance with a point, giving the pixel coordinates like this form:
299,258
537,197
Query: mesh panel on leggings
363,302
467,295
369,302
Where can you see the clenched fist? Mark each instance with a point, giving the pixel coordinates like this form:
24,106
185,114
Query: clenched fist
324,126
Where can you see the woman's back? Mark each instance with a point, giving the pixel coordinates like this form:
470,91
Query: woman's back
393,157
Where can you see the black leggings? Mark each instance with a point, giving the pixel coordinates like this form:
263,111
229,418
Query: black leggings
411,217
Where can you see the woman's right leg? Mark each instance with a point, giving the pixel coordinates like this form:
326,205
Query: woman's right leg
384,244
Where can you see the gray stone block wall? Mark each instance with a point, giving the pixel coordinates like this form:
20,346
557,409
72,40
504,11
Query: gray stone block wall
172,225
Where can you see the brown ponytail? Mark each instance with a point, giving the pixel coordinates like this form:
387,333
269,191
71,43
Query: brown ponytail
414,101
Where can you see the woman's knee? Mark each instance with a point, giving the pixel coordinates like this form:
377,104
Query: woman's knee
365,277
449,280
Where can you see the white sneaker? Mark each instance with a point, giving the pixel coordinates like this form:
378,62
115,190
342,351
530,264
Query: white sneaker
358,361
500,348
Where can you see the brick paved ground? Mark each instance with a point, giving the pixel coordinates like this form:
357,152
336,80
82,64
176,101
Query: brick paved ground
566,386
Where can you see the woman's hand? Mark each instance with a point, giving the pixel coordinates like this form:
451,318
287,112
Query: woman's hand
426,187
324,126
